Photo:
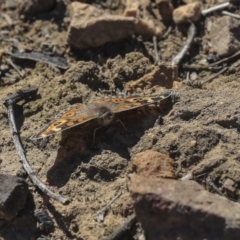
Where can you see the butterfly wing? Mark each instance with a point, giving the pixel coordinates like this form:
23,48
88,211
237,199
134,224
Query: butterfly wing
75,116
82,113
123,104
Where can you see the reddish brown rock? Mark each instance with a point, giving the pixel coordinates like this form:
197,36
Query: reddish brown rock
92,27
225,36
153,164
132,8
165,8
170,209
146,26
13,194
188,13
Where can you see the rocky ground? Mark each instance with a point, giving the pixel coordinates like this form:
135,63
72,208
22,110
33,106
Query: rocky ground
176,165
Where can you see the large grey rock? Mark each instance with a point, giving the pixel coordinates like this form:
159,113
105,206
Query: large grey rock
13,194
170,209
225,36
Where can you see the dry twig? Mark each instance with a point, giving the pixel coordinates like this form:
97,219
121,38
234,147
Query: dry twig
9,103
100,214
213,186
155,49
191,34
215,8
21,73
125,227
235,55
199,67
170,28
215,75
231,14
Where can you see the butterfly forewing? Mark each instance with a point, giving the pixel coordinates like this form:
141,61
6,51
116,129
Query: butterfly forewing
75,116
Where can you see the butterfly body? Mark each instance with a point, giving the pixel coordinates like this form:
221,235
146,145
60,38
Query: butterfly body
102,110
105,115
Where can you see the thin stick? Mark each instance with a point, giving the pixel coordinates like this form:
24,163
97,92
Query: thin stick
123,229
225,59
234,66
21,73
214,76
170,28
198,67
155,49
211,184
100,214
231,14
215,8
191,34
188,176
9,103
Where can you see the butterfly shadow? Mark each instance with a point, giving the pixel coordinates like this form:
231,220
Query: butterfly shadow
75,153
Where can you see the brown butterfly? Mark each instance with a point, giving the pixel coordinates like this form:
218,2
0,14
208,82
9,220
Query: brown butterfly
101,109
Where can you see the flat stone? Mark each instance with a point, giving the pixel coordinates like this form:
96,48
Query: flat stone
13,194
187,13
151,163
92,27
225,36
170,209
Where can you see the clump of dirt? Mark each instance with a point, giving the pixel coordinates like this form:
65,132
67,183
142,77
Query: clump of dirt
132,67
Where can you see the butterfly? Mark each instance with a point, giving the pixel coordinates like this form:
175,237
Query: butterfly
101,109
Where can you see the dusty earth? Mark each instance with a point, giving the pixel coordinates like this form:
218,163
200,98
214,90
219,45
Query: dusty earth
202,121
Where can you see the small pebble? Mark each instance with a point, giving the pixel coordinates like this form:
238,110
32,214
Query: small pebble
211,58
